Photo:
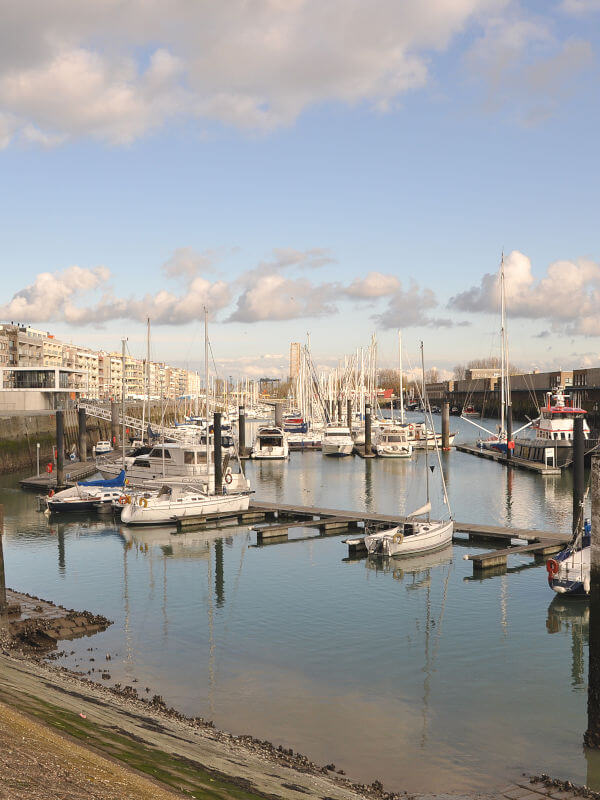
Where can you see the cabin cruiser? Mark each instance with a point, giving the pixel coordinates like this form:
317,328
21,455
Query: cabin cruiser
393,442
172,503
86,496
337,441
551,436
175,462
295,423
272,443
420,436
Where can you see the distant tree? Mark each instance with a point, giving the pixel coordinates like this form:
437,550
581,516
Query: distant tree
431,375
459,372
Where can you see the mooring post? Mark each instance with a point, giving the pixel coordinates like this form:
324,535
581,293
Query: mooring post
592,735
446,426
578,472
242,432
509,429
279,415
114,424
368,446
349,413
60,447
3,603
82,419
340,418
218,453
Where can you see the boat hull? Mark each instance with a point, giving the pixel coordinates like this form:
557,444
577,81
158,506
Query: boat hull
156,513
425,537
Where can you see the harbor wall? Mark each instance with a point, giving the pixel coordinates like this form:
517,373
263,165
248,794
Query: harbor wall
21,432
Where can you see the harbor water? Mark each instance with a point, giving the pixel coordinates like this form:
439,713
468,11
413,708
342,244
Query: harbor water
409,671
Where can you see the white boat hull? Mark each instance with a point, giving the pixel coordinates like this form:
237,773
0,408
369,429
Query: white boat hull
337,448
164,511
426,536
394,450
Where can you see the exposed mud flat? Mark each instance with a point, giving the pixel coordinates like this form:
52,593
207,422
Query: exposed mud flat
35,625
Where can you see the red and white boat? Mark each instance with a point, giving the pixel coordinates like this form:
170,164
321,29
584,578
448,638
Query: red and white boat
551,438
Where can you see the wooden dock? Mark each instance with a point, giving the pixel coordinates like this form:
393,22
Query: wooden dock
520,463
330,521
74,471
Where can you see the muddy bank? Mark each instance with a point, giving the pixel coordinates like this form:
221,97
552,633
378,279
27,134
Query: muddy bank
33,625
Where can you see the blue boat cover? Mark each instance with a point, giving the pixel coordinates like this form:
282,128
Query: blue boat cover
118,481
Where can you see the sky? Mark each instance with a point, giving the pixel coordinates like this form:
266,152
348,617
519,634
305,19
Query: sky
301,167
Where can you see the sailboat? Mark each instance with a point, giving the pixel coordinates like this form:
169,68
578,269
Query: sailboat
499,441
415,536
172,503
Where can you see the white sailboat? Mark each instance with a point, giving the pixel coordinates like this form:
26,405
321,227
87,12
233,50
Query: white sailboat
416,536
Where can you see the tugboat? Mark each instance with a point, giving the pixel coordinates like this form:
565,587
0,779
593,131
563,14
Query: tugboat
552,438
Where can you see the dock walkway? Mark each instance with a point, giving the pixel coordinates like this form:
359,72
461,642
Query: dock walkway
74,471
521,463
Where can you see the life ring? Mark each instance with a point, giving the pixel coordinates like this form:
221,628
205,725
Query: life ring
411,427
51,493
229,478
398,538
552,566
143,502
123,500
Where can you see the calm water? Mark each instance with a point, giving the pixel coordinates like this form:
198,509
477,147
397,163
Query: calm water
413,673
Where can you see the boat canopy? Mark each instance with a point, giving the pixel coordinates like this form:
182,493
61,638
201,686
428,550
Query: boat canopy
109,483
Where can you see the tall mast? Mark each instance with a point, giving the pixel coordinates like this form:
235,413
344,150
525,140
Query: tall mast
147,372
401,383
123,343
206,395
503,347
426,430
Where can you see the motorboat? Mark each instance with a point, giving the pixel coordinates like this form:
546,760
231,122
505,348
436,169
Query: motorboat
172,503
421,435
86,495
569,570
394,443
103,447
295,423
174,462
270,443
337,441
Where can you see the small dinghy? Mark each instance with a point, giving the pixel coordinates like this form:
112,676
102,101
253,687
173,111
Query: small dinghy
569,570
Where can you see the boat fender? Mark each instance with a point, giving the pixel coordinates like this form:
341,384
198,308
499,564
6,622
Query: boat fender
552,566
398,538
51,493
229,478
143,502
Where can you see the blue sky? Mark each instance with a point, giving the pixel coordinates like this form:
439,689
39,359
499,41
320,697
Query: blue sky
335,168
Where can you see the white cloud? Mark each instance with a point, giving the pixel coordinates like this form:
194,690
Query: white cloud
115,70
568,296
410,308
275,297
524,66
580,6
186,262
373,285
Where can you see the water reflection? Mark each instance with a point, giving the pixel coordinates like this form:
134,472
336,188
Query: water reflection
572,616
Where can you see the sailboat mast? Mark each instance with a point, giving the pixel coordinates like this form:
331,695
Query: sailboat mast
503,354
401,383
426,430
123,343
147,373
206,395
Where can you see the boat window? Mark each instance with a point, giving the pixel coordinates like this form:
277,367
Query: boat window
270,441
157,452
140,462
189,457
